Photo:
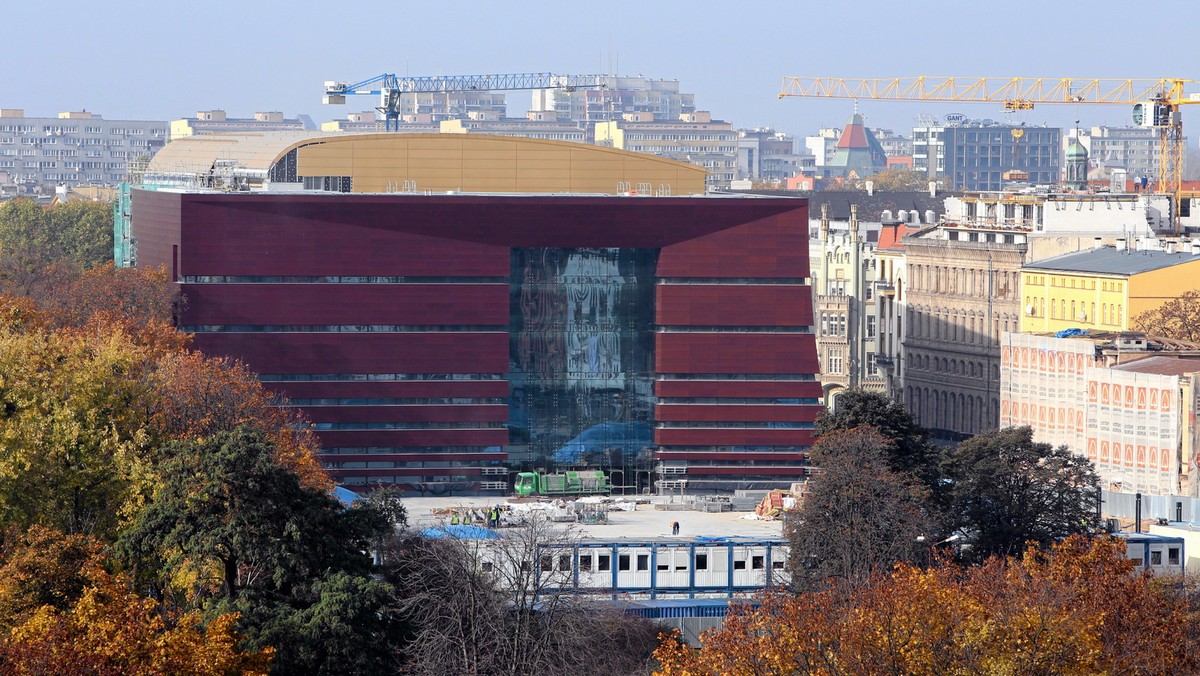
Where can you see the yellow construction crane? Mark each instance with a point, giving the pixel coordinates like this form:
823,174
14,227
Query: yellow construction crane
1155,102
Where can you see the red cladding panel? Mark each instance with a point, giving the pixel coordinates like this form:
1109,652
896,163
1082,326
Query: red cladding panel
497,413
156,220
743,305
735,413
362,352
307,304
402,471
749,353
780,457
386,438
697,470
222,238
790,389
775,247
389,389
412,457
713,436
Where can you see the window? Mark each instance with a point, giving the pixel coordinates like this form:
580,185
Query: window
739,564
702,562
547,563
1173,556
1156,557
643,562
585,562
486,566
564,562
756,562
603,562
871,327
623,562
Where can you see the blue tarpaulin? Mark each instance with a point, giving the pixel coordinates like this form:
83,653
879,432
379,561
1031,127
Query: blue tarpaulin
460,532
347,496
1067,333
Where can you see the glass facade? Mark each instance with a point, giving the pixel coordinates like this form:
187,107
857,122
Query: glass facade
581,356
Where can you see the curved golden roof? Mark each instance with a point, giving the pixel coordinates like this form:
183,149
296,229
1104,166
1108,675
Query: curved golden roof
392,162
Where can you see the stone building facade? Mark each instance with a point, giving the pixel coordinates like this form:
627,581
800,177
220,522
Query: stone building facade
844,283
963,293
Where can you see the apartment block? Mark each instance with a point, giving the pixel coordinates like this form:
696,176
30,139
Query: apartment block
72,149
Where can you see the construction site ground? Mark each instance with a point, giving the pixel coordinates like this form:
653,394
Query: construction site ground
648,520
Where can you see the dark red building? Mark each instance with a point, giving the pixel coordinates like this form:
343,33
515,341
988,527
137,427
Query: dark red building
436,341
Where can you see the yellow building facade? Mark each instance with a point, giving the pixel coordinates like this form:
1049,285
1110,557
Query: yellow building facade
1102,289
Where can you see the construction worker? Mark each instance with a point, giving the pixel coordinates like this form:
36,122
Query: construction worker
454,519
467,518
674,528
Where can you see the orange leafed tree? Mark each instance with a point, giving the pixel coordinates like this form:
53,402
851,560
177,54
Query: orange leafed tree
1078,609
63,613
197,396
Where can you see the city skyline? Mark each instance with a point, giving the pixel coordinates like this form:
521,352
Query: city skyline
276,56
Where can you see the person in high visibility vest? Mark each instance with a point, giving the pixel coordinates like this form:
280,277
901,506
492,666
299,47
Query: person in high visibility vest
454,519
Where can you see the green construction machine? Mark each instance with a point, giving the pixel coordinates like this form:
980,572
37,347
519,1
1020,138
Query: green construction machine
583,482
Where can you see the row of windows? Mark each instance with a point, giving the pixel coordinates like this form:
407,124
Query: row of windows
965,367
1110,313
362,426
395,401
426,451
970,327
737,400
963,281
336,279
375,377
339,328
835,325
736,425
943,410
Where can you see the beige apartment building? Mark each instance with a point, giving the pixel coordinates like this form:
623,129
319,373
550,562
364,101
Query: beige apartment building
695,138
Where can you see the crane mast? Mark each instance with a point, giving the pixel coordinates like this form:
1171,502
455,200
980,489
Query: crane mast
390,87
1156,103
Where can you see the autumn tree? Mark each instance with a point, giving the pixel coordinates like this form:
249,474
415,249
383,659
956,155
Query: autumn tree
1077,609
72,440
40,568
858,517
132,297
1177,319
110,629
909,451
196,396
34,238
898,180
232,530
1007,489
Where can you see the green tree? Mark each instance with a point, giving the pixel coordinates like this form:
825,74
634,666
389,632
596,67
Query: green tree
1007,489
910,450
858,517
225,500
39,245
341,624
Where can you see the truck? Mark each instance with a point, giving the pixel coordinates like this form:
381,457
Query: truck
581,482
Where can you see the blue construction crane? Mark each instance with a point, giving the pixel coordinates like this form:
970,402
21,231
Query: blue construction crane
390,87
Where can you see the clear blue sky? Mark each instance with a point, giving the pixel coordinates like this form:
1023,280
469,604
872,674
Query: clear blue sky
142,60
